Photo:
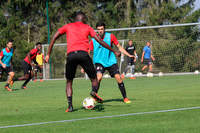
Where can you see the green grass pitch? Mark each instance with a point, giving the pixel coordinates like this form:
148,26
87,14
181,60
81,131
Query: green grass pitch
46,101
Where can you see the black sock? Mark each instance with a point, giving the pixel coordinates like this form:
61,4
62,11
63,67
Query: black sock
26,81
95,88
7,84
69,98
122,89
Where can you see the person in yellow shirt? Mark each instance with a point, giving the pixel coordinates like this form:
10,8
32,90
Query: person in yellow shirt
39,66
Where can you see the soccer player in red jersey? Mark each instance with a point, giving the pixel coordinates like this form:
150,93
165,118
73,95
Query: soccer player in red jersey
27,64
77,54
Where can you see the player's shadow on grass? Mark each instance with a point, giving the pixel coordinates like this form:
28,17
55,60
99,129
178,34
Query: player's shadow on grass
99,107
112,100
16,89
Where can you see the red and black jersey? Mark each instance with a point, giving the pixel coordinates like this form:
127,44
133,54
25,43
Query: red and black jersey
33,54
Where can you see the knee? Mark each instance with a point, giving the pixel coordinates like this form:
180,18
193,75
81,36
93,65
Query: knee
118,78
12,74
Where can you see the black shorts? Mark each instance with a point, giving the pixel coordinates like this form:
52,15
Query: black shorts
38,68
79,58
147,62
26,67
114,69
130,61
7,69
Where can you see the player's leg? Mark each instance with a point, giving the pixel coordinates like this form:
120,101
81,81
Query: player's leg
127,68
69,95
144,67
72,62
114,72
10,78
28,74
11,74
41,73
35,73
146,64
150,65
87,65
100,71
132,69
28,78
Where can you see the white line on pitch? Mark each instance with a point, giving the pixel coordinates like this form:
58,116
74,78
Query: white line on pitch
100,117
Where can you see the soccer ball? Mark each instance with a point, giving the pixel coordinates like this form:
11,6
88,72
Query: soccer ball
149,74
160,74
196,72
88,103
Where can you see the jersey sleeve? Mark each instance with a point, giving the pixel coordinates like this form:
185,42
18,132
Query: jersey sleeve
144,49
91,47
114,39
126,48
33,51
63,29
92,32
1,54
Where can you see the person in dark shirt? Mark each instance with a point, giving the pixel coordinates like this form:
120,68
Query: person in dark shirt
131,61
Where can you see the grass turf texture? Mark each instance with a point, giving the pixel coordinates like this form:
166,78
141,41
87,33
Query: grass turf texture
46,101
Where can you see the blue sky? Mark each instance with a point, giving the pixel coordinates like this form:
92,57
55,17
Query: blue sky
196,4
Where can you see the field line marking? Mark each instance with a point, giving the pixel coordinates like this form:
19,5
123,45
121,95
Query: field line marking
100,117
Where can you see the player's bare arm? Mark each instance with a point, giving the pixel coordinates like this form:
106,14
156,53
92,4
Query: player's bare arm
56,35
3,65
152,58
142,57
121,49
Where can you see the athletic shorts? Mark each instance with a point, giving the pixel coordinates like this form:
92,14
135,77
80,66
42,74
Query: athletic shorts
26,67
130,61
147,62
38,69
114,69
79,58
7,69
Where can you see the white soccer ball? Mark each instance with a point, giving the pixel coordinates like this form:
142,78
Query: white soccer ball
106,76
196,72
136,74
160,74
88,103
140,73
128,75
149,74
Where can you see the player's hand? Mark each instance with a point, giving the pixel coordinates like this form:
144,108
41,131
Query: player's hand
132,56
141,60
135,60
4,65
47,58
118,54
82,70
33,65
153,58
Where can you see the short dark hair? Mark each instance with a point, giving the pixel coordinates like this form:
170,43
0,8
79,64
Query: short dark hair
38,43
10,40
101,23
80,13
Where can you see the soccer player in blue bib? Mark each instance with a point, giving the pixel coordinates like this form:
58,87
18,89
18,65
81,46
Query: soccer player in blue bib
6,64
106,60
147,57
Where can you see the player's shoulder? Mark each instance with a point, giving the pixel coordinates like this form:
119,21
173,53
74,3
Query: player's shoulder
34,50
